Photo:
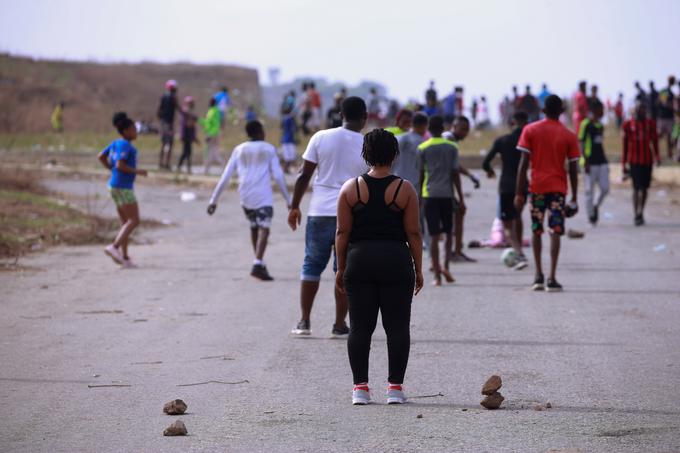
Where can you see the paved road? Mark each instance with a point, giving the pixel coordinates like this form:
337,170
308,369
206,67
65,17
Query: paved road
605,352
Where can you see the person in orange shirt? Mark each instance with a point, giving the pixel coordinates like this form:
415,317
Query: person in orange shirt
545,145
315,102
580,106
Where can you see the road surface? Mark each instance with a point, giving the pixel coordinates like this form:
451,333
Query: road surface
605,353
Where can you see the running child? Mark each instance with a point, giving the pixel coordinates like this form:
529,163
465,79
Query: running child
256,163
546,144
438,177
120,157
595,165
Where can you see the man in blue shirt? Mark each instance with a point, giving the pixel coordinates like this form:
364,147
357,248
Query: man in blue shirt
223,101
542,95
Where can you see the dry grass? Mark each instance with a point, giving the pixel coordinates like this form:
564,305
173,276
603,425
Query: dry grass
30,219
29,90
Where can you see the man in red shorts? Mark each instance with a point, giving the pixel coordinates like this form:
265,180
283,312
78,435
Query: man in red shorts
545,145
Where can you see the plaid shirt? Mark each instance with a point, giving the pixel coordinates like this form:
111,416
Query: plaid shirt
640,142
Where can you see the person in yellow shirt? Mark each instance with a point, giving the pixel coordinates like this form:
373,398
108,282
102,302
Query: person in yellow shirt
58,118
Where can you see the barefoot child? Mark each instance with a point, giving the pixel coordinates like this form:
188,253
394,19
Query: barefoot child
121,158
256,163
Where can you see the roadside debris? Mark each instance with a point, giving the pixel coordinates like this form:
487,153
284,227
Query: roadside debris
575,234
178,428
175,407
493,399
660,248
245,381
187,196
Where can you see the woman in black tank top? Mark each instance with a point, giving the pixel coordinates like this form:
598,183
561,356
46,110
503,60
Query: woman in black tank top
379,249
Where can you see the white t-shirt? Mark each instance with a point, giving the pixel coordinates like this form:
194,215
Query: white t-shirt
337,155
256,163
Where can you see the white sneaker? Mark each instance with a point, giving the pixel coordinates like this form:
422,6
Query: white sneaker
395,394
114,253
361,395
520,263
302,328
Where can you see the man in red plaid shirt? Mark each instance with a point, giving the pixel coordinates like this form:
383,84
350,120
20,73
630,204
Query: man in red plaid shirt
640,151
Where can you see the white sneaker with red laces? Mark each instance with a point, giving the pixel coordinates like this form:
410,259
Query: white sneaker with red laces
395,394
361,395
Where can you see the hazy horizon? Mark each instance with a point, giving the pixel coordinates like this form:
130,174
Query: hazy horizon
486,46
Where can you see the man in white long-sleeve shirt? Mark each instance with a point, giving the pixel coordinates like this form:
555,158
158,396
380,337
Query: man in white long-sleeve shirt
256,163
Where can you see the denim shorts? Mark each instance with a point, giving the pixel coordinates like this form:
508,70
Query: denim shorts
319,243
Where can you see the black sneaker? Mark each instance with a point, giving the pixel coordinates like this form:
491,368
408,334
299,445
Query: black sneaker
340,332
260,272
596,215
302,328
639,221
539,283
553,286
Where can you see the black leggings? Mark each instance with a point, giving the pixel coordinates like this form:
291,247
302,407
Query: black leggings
379,276
186,154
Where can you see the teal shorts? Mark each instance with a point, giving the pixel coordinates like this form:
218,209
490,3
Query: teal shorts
122,197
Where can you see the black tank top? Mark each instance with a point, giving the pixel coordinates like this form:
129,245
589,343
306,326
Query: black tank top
376,220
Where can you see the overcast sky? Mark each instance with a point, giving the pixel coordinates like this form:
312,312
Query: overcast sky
485,45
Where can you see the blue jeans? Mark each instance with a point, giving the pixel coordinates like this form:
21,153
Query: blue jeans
319,243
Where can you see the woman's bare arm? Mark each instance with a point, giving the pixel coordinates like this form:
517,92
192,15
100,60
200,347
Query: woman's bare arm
413,234
344,228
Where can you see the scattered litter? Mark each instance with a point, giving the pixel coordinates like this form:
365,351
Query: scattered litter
548,405
661,193
158,362
426,396
175,407
194,313
464,409
575,234
44,286
140,320
178,428
538,407
245,381
100,312
223,357
608,215
96,375
187,196
93,386
166,222
419,416
660,248
269,412
482,152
